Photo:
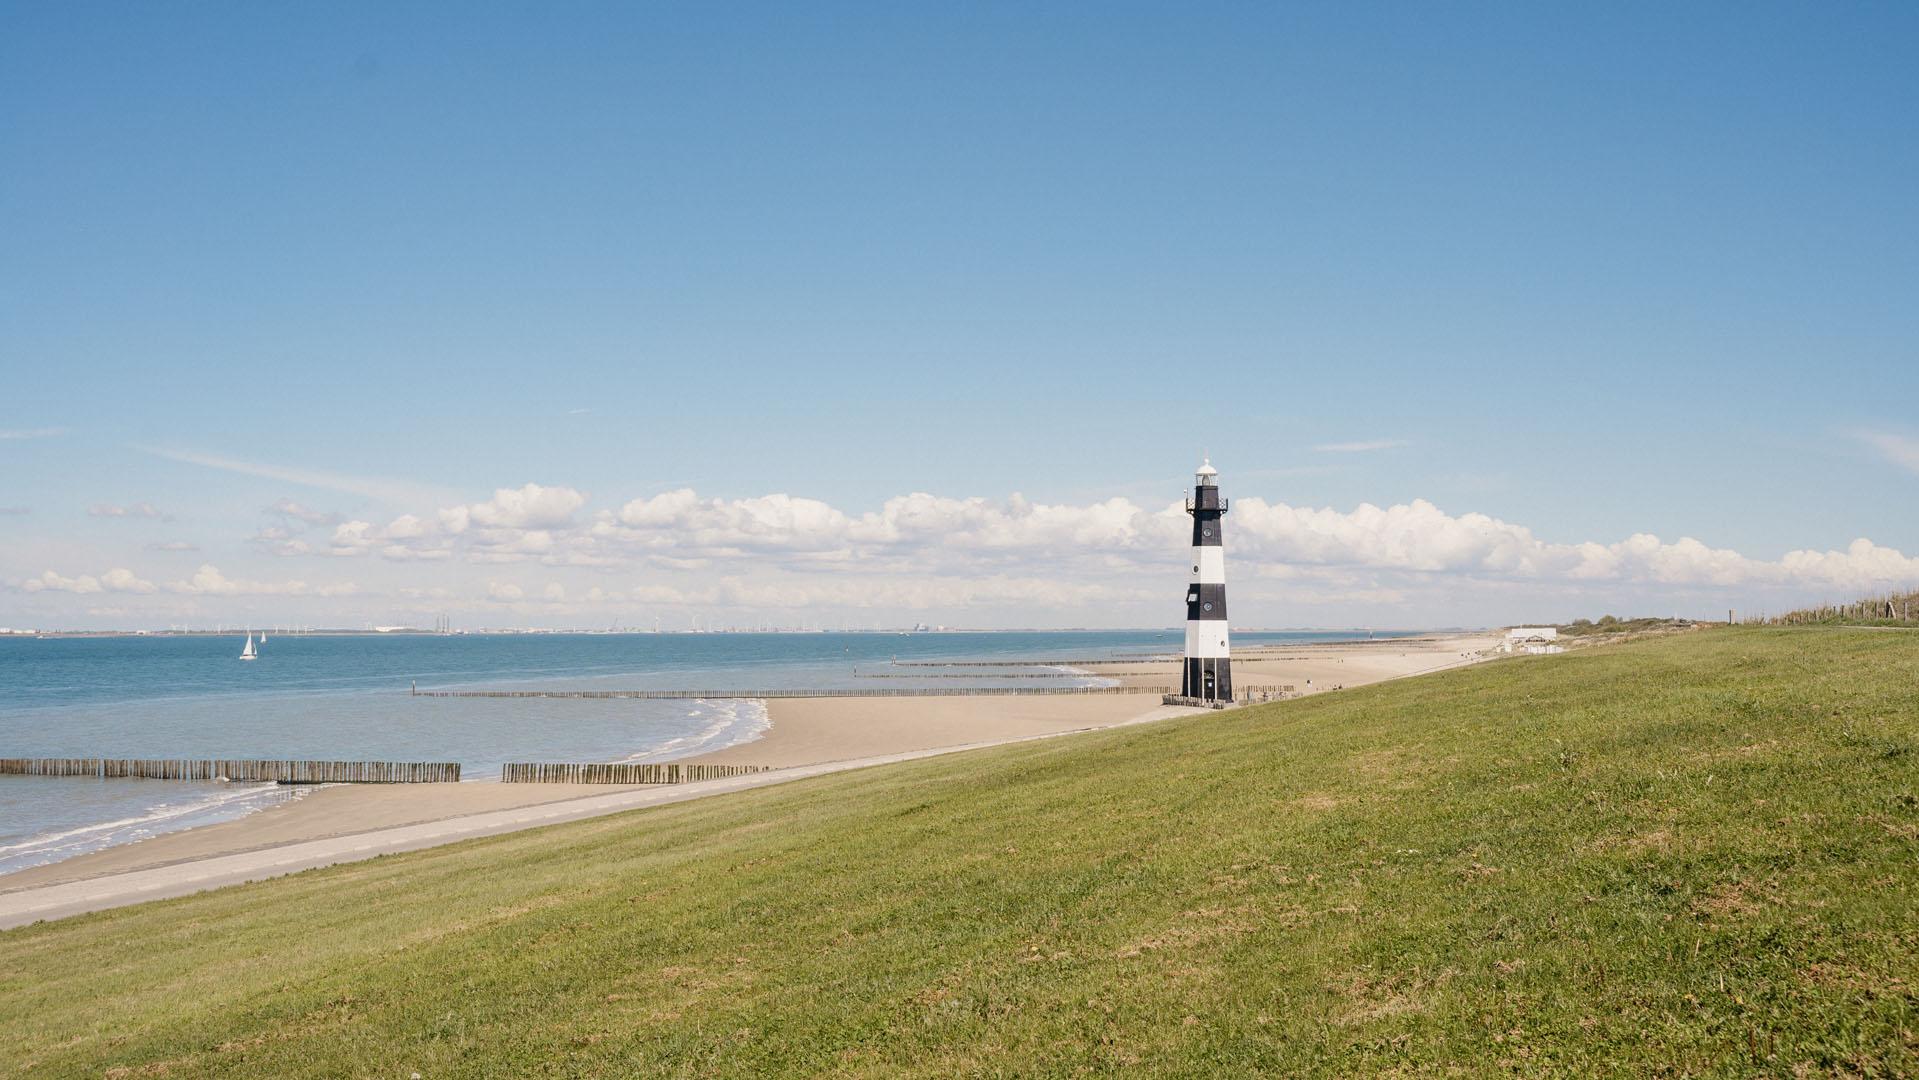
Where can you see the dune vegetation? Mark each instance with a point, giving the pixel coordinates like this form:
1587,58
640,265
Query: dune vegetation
1689,855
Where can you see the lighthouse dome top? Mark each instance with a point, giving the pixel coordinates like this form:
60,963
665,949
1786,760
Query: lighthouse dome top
1206,472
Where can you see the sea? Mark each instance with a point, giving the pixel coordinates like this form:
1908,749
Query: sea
346,697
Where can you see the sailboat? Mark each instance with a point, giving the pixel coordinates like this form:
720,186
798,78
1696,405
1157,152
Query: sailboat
263,637
248,653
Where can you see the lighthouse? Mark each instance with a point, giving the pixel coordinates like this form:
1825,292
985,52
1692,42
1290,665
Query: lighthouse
1209,666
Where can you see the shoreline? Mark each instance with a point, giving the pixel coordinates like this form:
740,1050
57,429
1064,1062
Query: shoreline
810,734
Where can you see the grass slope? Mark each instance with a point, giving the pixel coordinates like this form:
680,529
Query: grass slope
1688,856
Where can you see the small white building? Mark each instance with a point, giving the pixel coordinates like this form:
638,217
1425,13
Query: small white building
1533,640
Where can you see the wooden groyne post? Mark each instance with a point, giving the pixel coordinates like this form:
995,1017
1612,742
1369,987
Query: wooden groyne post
282,771
671,772
886,691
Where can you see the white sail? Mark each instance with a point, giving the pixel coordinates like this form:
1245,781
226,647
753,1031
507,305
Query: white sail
248,653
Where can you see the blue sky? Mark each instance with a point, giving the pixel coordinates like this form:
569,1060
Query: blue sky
1590,273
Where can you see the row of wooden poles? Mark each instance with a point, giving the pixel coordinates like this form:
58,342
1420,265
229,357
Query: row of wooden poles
1034,663
993,675
666,773
285,772
943,691
1895,608
365,772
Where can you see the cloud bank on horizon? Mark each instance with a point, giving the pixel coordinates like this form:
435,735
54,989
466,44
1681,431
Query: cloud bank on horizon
546,555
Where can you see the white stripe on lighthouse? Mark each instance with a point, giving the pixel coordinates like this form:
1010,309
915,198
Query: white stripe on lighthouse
1207,640
1209,565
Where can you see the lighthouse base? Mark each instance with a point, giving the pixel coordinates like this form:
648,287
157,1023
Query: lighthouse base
1208,678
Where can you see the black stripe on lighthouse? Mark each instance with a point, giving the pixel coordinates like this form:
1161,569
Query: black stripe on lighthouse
1205,603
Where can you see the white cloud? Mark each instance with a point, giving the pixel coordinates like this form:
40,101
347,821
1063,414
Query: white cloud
681,525
515,525
682,519
1032,593
49,581
407,527
135,510
209,581
118,580
1898,449
1419,537
1863,565
173,545
921,534
1107,562
354,537
17,434
527,507
1360,447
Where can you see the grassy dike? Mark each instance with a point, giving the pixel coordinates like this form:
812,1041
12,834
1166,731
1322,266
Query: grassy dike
1697,855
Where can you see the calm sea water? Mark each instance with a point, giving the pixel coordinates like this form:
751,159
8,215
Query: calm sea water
345,697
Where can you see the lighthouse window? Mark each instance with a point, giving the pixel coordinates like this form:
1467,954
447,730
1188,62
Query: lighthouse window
1205,532
1207,606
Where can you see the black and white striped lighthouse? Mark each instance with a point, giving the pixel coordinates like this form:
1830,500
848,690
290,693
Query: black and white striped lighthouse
1209,663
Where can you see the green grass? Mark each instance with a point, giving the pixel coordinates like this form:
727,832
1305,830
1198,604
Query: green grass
1695,855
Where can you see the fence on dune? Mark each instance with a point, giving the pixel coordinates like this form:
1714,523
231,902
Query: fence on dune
1888,609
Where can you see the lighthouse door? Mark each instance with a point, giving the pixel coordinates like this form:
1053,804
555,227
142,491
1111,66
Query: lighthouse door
1210,694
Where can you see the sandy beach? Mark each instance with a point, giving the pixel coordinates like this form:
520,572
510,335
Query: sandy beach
804,731
809,730
1316,668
